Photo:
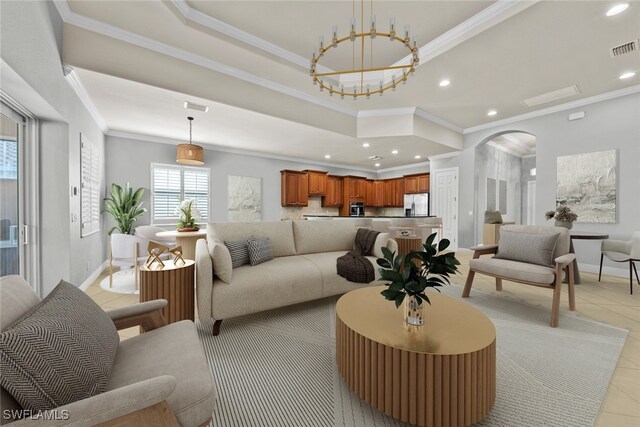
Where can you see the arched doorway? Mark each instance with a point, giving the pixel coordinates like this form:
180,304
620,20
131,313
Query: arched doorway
504,177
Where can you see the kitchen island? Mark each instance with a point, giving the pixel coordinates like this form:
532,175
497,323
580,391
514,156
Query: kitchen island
413,226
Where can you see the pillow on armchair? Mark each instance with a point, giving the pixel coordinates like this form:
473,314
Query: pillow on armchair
527,247
59,352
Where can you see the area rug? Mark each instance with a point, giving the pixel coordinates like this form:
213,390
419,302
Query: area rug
123,282
277,368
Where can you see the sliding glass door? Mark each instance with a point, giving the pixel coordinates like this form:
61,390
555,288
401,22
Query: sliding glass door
12,259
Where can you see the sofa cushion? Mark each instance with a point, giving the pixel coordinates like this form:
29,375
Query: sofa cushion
323,236
381,242
171,350
564,238
280,233
239,252
526,247
60,351
332,283
260,251
222,263
515,270
277,283
17,298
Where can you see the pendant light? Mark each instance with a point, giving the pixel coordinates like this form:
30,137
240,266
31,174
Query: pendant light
190,154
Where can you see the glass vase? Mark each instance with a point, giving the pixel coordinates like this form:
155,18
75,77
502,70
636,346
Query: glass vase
413,311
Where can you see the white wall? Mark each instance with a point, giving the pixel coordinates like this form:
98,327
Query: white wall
31,39
129,160
611,124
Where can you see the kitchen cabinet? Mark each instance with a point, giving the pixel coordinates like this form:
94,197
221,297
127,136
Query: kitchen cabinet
317,182
369,197
294,188
389,193
335,193
357,187
414,184
378,194
398,192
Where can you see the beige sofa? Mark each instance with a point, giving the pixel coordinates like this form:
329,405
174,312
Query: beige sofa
303,268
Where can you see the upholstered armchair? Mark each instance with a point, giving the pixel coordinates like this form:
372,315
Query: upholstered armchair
531,255
622,251
158,377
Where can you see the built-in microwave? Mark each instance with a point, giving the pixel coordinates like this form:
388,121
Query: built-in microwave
356,209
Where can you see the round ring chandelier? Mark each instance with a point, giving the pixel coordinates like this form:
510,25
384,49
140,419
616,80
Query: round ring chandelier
399,73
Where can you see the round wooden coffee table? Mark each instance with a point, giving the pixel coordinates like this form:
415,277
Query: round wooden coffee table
440,374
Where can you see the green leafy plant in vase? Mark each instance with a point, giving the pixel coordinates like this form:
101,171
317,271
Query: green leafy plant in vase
410,275
188,213
125,206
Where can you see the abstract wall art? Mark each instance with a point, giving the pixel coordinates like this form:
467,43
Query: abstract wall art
245,198
587,184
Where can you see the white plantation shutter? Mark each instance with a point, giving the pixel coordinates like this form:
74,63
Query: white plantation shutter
196,186
89,188
170,184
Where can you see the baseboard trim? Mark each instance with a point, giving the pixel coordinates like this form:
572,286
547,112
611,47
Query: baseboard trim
609,271
92,278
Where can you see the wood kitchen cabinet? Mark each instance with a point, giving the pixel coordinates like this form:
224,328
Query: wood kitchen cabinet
378,194
294,188
398,192
317,182
335,192
357,187
418,183
389,193
369,199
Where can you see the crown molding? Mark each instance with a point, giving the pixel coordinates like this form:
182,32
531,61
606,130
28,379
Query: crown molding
387,112
78,88
481,21
556,108
403,167
108,30
503,148
170,141
433,118
444,156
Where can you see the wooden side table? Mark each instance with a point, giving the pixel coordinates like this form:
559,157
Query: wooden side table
173,283
408,244
186,239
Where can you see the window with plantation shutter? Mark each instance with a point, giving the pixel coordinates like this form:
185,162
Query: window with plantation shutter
170,184
89,188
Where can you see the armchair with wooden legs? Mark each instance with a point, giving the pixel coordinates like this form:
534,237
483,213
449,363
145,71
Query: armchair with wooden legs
528,273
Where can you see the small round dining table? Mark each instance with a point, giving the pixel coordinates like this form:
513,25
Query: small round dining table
583,235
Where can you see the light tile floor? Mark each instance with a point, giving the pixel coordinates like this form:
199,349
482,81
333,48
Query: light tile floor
608,302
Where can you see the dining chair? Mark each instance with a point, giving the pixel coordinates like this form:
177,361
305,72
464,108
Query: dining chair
126,250
622,251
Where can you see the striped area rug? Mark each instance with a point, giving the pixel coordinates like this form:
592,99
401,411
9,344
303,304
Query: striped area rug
277,368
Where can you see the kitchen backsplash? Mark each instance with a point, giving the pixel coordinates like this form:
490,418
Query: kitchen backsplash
315,208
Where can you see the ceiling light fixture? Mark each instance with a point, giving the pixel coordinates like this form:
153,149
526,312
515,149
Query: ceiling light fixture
365,145
491,113
377,165
326,156
197,107
394,152
416,157
445,83
627,75
619,8
371,79
190,154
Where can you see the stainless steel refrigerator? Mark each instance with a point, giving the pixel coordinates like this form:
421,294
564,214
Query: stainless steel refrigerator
416,204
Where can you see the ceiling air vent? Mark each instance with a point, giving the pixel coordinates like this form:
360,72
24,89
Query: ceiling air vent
197,107
624,48
375,158
554,95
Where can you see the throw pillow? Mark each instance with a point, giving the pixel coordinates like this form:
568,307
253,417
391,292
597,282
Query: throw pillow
260,251
527,247
222,264
239,252
59,352
381,242
492,217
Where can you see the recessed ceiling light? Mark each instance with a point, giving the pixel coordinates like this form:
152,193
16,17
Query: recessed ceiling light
492,113
365,145
197,107
627,75
394,152
619,8
327,156
417,157
444,83
377,165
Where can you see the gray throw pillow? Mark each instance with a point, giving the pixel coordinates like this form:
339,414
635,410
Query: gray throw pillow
492,217
527,247
239,251
59,352
260,251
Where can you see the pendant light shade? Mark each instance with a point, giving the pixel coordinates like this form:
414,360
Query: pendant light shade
190,154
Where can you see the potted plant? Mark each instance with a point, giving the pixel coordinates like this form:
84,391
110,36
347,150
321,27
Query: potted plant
188,213
563,215
409,276
125,207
